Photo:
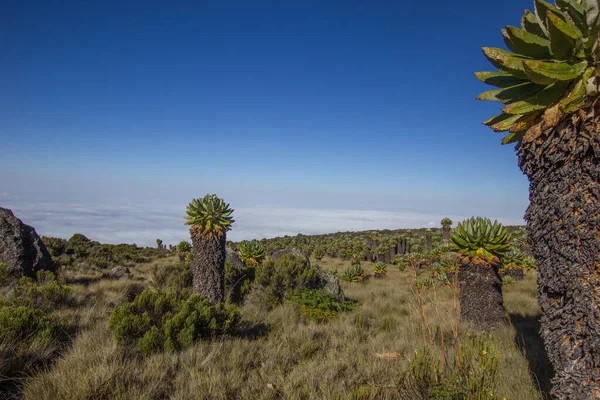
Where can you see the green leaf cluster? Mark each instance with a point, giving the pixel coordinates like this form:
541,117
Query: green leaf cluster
157,320
252,252
479,237
354,273
24,323
278,279
513,259
550,64
209,216
319,306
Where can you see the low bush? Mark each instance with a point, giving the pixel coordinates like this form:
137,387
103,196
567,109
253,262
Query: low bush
320,306
354,273
24,323
508,280
176,278
473,375
238,281
157,320
278,279
46,293
379,269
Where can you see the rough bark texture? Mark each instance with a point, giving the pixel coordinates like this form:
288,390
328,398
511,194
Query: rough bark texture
480,295
563,229
208,267
21,249
446,234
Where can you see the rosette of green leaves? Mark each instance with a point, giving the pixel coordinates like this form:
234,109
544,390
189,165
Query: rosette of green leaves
479,237
549,70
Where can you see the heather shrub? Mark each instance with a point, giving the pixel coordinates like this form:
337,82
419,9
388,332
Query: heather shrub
24,323
176,278
319,306
46,293
56,246
238,281
473,375
157,320
278,279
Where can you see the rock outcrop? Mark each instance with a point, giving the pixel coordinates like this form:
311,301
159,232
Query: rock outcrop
21,249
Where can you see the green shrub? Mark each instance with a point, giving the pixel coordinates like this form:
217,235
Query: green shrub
508,280
278,279
319,306
156,321
176,278
379,269
472,376
56,246
238,281
79,245
319,253
23,323
354,273
46,293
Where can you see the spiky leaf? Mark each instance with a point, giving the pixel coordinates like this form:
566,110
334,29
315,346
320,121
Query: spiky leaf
506,61
209,216
530,23
513,137
546,72
479,237
541,10
511,94
541,100
499,79
564,36
522,42
502,122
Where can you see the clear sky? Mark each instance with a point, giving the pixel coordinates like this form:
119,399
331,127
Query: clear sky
287,106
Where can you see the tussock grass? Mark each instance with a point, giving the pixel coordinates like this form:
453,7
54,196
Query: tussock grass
279,354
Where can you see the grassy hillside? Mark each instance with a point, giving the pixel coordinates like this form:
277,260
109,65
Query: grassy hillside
363,354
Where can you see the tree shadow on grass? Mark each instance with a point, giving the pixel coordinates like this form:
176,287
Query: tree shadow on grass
82,280
530,343
251,331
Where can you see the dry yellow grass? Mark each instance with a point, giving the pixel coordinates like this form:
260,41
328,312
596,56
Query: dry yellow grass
280,355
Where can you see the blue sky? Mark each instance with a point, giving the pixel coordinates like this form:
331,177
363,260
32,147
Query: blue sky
287,106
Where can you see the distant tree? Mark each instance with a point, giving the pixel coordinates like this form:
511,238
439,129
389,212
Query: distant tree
252,252
183,248
446,224
481,243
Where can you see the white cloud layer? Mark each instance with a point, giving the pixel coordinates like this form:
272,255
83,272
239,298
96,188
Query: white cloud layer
143,225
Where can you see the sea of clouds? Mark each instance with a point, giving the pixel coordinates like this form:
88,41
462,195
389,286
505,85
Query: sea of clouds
144,224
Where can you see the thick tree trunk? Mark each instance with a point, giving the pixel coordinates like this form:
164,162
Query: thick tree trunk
208,267
563,229
480,295
446,234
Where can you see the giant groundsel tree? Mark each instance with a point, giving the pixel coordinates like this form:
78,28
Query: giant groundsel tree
210,219
547,81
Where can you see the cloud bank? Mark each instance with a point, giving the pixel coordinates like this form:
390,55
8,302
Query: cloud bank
144,224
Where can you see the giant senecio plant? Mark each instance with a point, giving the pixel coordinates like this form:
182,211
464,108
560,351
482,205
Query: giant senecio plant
547,81
210,219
